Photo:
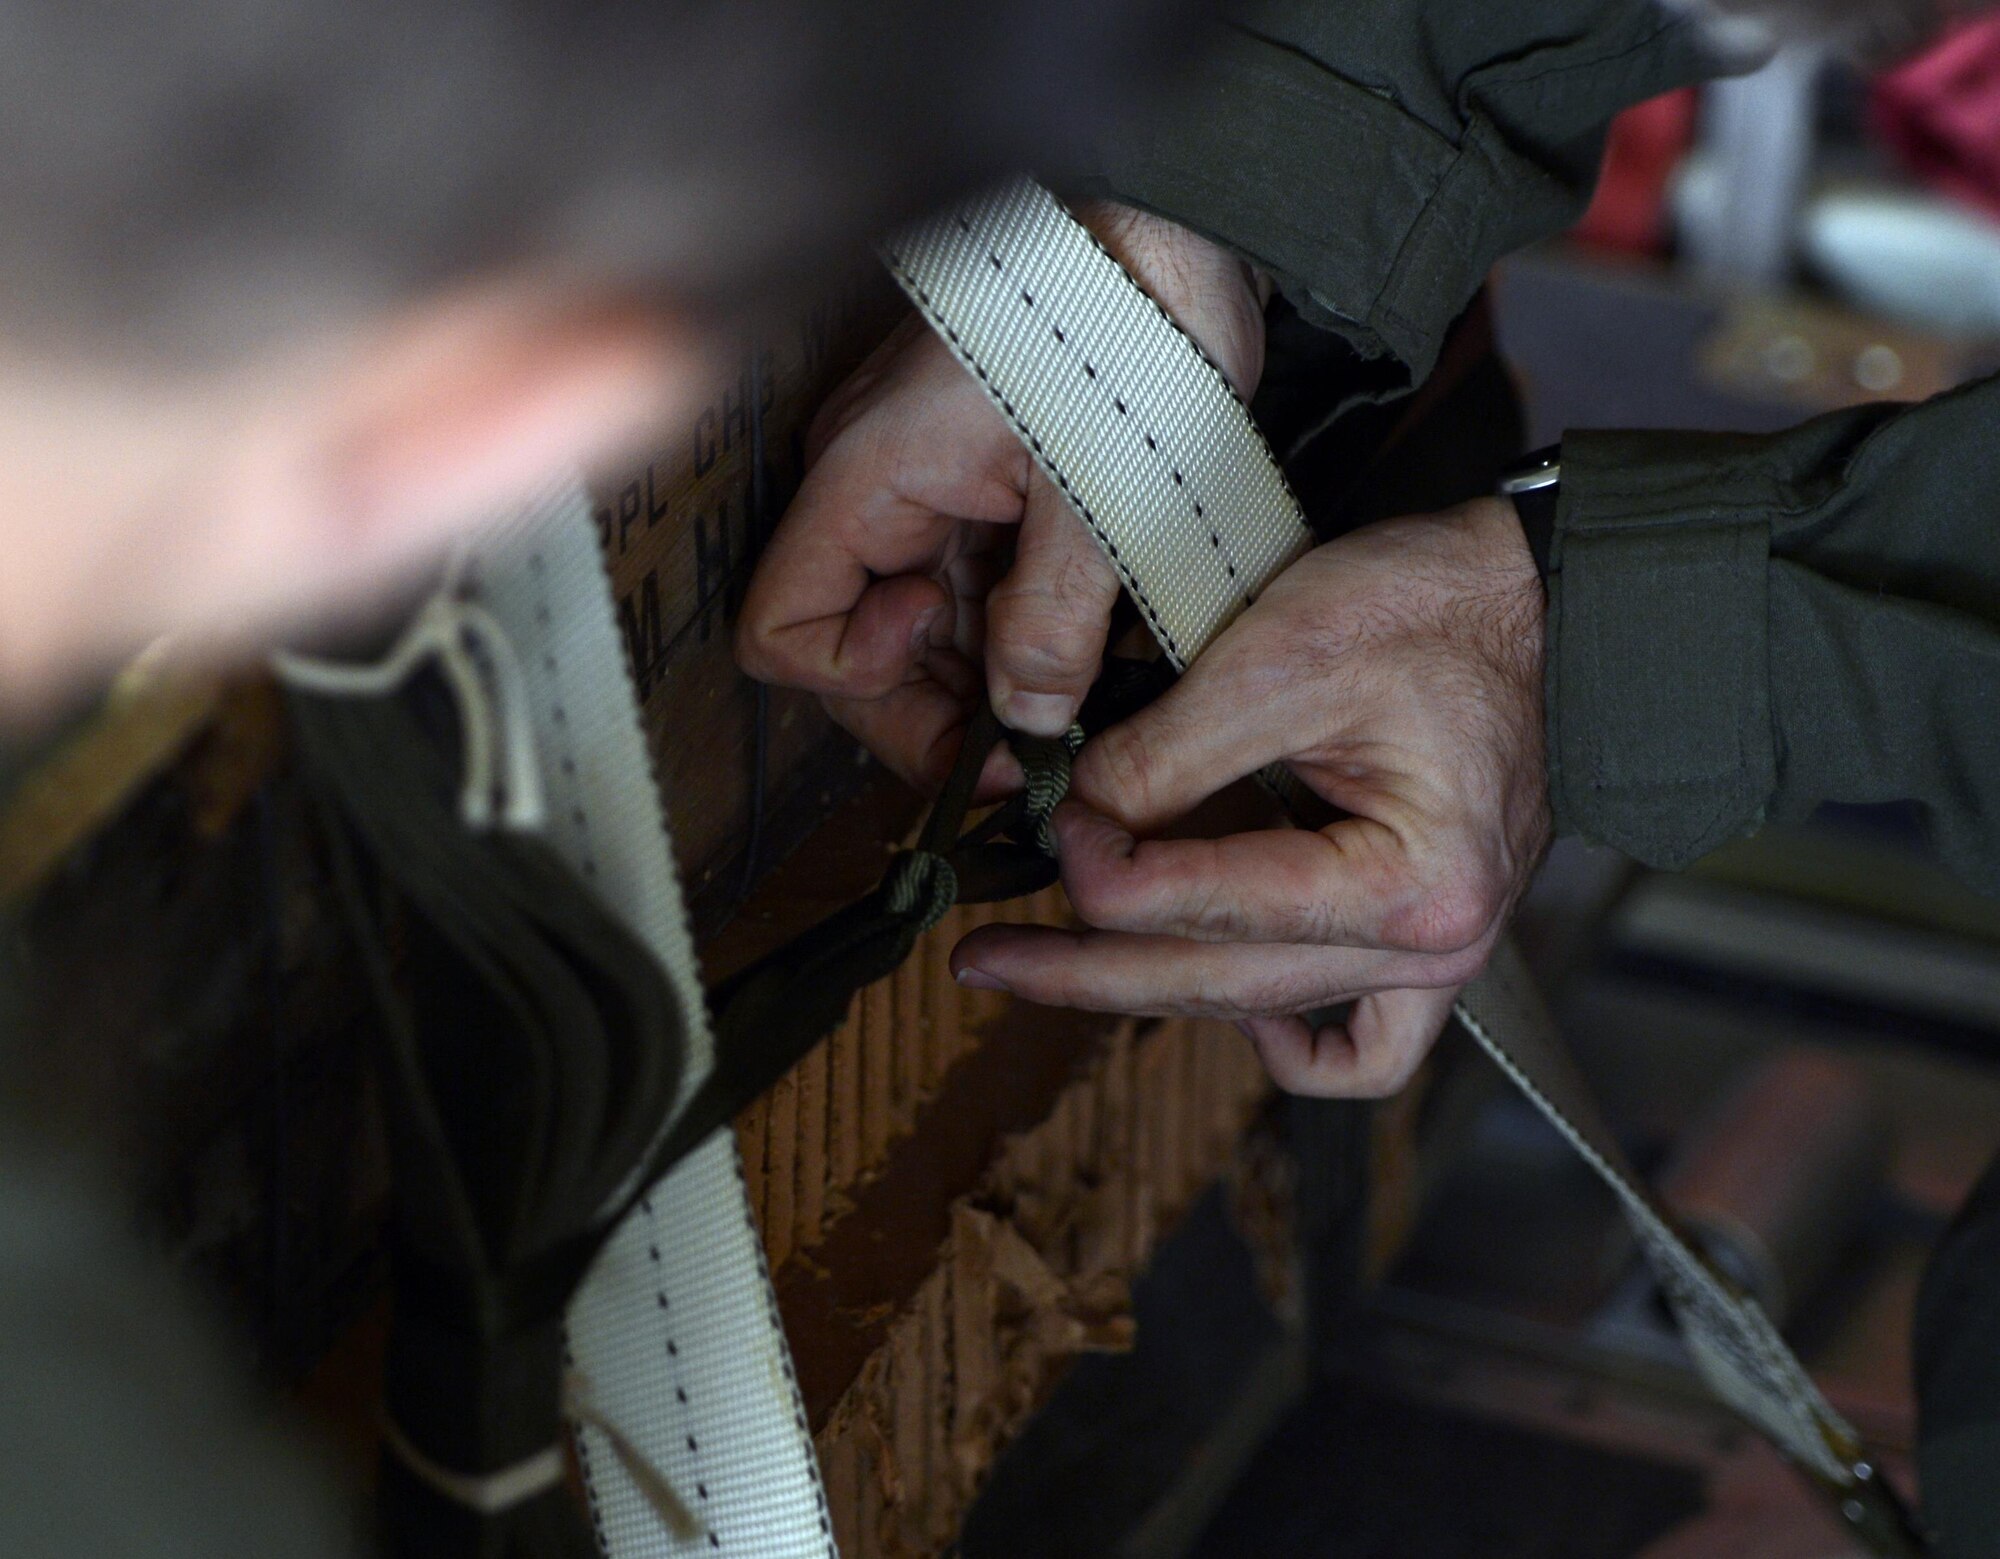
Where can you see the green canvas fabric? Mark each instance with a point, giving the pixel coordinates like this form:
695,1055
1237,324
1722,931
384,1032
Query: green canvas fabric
1377,157
1743,627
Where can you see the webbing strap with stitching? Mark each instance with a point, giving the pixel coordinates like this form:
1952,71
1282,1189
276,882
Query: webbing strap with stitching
1163,463
676,1327
1136,427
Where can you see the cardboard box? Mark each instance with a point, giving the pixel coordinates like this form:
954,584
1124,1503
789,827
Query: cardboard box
682,534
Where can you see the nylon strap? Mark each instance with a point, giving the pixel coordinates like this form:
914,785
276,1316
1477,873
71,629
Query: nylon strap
1164,465
676,1326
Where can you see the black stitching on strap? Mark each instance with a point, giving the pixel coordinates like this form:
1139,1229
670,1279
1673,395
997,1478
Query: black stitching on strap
1152,443
930,308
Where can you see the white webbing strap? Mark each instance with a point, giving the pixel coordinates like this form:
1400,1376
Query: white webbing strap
676,1327
1162,461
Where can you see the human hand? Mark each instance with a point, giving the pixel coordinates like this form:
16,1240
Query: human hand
1398,673
925,547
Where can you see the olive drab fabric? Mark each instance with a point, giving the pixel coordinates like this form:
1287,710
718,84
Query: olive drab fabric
1376,157
1742,627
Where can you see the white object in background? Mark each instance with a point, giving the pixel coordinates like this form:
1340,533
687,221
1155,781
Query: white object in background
1757,144
1908,255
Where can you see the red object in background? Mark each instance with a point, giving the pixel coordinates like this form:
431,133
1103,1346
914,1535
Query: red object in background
1941,113
1646,143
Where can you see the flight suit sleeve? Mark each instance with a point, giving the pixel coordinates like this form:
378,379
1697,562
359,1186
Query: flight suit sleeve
1744,626
1377,156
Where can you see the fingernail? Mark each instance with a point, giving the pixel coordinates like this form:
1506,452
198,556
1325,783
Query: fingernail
920,632
979,980
1038,714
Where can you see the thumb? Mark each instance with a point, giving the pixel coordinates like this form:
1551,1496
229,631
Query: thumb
1046,621
1224,719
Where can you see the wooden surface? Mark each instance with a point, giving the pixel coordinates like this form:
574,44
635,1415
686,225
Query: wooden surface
681,536
1035,1268
829,1124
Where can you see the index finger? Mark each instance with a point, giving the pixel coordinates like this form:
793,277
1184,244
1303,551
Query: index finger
1109,971
1353,884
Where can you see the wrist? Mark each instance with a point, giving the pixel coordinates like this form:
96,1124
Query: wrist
1504,586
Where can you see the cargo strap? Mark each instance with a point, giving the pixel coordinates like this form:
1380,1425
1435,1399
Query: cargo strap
1162,462
558,1250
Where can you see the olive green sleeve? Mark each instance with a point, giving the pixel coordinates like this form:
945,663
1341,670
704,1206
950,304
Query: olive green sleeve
1377,156
1742,627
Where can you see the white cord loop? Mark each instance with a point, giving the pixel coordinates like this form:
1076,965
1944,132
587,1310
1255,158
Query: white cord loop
502,784
486,1493
580,1403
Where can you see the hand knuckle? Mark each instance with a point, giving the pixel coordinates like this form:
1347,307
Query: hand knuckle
1390,1075
1207,903
1450,970
1386,1067
1053,631
1040,649
1316,1077
1287,1070
1206,995
1451,915
1085,588
1409,1060
1314,918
